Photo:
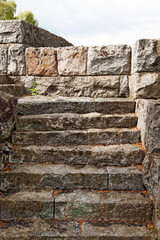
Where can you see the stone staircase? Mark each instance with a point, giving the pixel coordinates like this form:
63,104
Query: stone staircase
74,172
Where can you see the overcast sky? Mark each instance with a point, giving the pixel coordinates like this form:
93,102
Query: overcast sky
97,22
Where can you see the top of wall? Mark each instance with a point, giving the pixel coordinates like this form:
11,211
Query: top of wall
18,31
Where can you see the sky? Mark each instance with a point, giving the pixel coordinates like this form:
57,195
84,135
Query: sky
97,22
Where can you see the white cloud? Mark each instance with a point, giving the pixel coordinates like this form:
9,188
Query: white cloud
97,22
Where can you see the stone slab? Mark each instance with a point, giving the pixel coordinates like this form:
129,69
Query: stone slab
3,58
109,60
16,59
27,205
18,31
47,105
114,155
41,61
148,112
54,177
146,56
68,121
13,89
110,206
145,85
108,136
71,230
126,178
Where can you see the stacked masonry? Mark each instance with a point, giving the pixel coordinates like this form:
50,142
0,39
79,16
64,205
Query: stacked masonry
74,171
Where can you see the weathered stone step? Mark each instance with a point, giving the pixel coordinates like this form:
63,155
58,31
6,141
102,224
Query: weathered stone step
71,230
108,206
108,136
114,155
67,121
65,177
13,89
47,105
77,206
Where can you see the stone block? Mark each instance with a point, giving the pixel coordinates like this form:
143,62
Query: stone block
146,56
41,61
14,89
8,114
109,60
27,205
151,174
16,59
62,177
148,112
79,86
109,206
18,31
72,60
126,178
3,59
68,121
145,85
114,155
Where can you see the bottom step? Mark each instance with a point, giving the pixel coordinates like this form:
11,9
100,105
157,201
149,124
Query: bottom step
74,230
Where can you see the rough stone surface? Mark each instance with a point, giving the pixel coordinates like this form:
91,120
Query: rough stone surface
109,206
129,178
54,177
71,230
47,105
117,231
78,86
8,113
13,89
108,136
148,112
124,86
146,56
17,31
16,59
1,157
27,205
115,155
109,60
3,59
68,121
145,85
41,61
5,79
151,174
72,60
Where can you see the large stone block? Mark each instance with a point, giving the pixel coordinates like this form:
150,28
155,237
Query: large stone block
146,56
8,114
86,86
109,60
17,31
145,85
113,155
16,59
148,112
109,206
41,61
3,59
72,60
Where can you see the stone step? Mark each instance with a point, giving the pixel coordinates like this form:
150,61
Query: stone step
68,121
107,206
114,155
34,105
72,230
65,177
76,206
5,79
108,136
13,89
